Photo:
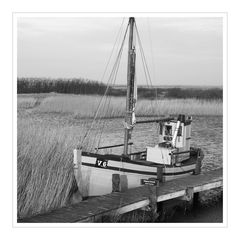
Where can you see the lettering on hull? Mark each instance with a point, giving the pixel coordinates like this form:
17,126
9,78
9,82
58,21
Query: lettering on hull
101,163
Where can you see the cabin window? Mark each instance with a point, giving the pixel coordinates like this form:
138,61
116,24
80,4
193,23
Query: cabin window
180,131
168,130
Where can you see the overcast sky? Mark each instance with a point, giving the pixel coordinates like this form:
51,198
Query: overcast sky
179,51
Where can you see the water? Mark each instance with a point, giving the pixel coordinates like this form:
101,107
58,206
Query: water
207,133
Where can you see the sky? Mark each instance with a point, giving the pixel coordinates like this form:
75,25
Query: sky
179,51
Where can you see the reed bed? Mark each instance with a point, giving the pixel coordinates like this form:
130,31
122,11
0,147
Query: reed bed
86,105
44,162
45,177
24,103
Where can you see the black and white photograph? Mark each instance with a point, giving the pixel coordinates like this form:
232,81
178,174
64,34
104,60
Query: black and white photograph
120,118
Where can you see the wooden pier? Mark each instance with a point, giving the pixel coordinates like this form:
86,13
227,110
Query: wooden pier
122,202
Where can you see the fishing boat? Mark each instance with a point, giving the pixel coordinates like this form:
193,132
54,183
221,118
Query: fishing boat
169,158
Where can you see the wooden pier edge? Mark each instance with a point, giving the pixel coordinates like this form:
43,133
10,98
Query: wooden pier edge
118,203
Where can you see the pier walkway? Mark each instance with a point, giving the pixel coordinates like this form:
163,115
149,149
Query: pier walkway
122,202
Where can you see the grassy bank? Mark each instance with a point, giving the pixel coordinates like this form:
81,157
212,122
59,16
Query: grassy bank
86,105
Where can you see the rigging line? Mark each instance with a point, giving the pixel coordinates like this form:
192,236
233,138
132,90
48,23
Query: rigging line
148,73
151,49
118,37
116,40
138,38
140,43
105,111
119,34
144,68
112,51
103,99
98,108
112,74
106,103
113,84
144,64
149,77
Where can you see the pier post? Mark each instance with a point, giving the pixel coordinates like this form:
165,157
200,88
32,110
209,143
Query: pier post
198,162
196,197
189,193
153,205
188,198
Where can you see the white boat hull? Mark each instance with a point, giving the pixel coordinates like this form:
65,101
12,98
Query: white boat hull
96,177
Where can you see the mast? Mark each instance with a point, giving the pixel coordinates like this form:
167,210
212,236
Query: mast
130,102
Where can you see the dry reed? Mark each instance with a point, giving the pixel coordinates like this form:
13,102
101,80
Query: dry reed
45,175
85,106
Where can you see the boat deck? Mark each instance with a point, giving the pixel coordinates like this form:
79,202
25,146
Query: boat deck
123,202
